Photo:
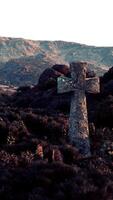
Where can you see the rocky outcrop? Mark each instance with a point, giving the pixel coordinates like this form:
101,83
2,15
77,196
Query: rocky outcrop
63,69
48,78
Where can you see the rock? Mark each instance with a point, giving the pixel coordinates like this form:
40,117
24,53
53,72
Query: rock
48,78
108,75
104,112
63,69
108,88
90,73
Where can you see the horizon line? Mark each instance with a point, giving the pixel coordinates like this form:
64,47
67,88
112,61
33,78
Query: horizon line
55,40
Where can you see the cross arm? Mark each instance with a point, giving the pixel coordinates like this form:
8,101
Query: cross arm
65,84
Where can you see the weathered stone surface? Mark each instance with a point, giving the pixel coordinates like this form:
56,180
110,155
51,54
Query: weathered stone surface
78,121
65,84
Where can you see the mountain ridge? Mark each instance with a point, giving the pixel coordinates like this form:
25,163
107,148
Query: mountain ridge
22,61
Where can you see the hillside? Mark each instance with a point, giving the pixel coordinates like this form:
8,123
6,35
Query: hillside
37,161
22,61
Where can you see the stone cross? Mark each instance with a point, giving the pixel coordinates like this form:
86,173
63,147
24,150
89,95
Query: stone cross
78,120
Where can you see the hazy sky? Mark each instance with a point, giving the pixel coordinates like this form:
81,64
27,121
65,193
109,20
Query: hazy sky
85,21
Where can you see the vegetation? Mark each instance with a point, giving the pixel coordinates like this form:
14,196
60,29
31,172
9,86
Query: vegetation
36,160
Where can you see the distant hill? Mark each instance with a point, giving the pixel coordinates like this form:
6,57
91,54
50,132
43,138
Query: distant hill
22,61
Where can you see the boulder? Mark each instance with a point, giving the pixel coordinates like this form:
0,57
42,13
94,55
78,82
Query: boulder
108,76
63,69
108,88
48,78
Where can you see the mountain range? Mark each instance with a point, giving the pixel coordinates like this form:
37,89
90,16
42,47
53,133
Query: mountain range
37,160
22,61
